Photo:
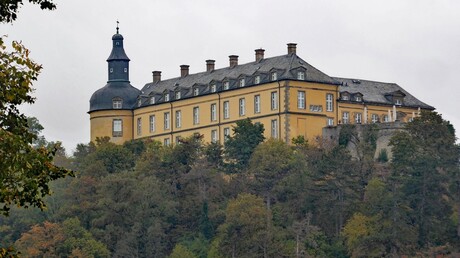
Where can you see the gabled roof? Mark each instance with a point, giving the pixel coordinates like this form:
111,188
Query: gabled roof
375,92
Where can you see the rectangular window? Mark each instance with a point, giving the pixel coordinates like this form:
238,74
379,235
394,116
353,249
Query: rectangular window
329,102
274,100
152,100
386,118
242,107
213,88
226,133
213,112
226,85
274,128
214,136
152,123
358,118
117,128
177,94
345,117
274,76
330,121
167,142
196,115
139,126
178,119
242,82
301,99
300,76
226,109
398,102
196,91
166,97
374,118
167,120
257,104
257,79
117,103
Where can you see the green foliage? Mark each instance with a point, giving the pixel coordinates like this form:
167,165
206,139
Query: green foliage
25,172
347,134
9,8
239,147
300,141
180,251
383,156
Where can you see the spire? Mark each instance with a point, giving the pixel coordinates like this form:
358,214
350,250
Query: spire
118,61
117,27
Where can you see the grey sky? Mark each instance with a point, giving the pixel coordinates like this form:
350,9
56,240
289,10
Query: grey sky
415,43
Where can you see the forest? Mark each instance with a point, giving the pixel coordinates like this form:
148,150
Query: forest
252,197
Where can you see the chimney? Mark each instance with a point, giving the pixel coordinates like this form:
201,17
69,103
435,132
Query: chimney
156,76
233,60
259,54
184,70
292,48
210,65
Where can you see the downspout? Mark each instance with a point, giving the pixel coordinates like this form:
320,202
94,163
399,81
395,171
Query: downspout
219,125
171,123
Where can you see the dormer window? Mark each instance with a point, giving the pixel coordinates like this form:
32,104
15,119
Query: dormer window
213,88
126,70
358,98
117,103
196,91
152,100
300,75
226,85
242,82
398,102
111,70
166,97
274,76
117,43
257,79
177,96
139,102
345,97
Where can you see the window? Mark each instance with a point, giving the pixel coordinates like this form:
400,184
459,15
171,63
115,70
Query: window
257,79
242,82
177,95
358,118
274,100
126,70
117,128
358,98
178,139
111,70
274,76
196,115
329,102
139,102
345,117
375,118
301,99
330,121
226,133
300,75
386,119
167,120
152,123
196,91
214,136
213,88
226,85
117,103
257,104
139,126
345,97
226,109
152,100
167,97
167,142
242,107
178,119
398,102
117,43
213,112
274,128
316,108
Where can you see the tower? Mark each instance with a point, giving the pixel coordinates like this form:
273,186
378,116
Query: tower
111,106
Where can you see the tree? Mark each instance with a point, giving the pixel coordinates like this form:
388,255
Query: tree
25,172
181,251
9,8
239,147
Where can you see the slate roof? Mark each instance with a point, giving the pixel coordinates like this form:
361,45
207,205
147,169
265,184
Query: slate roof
377,92
102,98
286,67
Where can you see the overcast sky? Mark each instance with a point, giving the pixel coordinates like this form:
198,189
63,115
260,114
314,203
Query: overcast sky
415,43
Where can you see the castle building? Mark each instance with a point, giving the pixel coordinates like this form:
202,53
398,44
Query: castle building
284,93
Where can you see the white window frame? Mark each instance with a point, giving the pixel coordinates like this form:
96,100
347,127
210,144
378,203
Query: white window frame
374,118
166,98
152,100
117,128
213,88
152,123
345,117
196,115
242,105
300,75
196,91
214,137
167,141
329,102
242,82
274,100
358,118
398,102
256,104
257,79
386,119
345,97
139,102
139,126
226,133
177,95
274,76
117,103
178,119
330,121
213,112
226,85
226,109
301,103
358,98
274,128
167,120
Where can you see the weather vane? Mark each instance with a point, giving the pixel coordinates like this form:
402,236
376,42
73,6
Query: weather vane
117,26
